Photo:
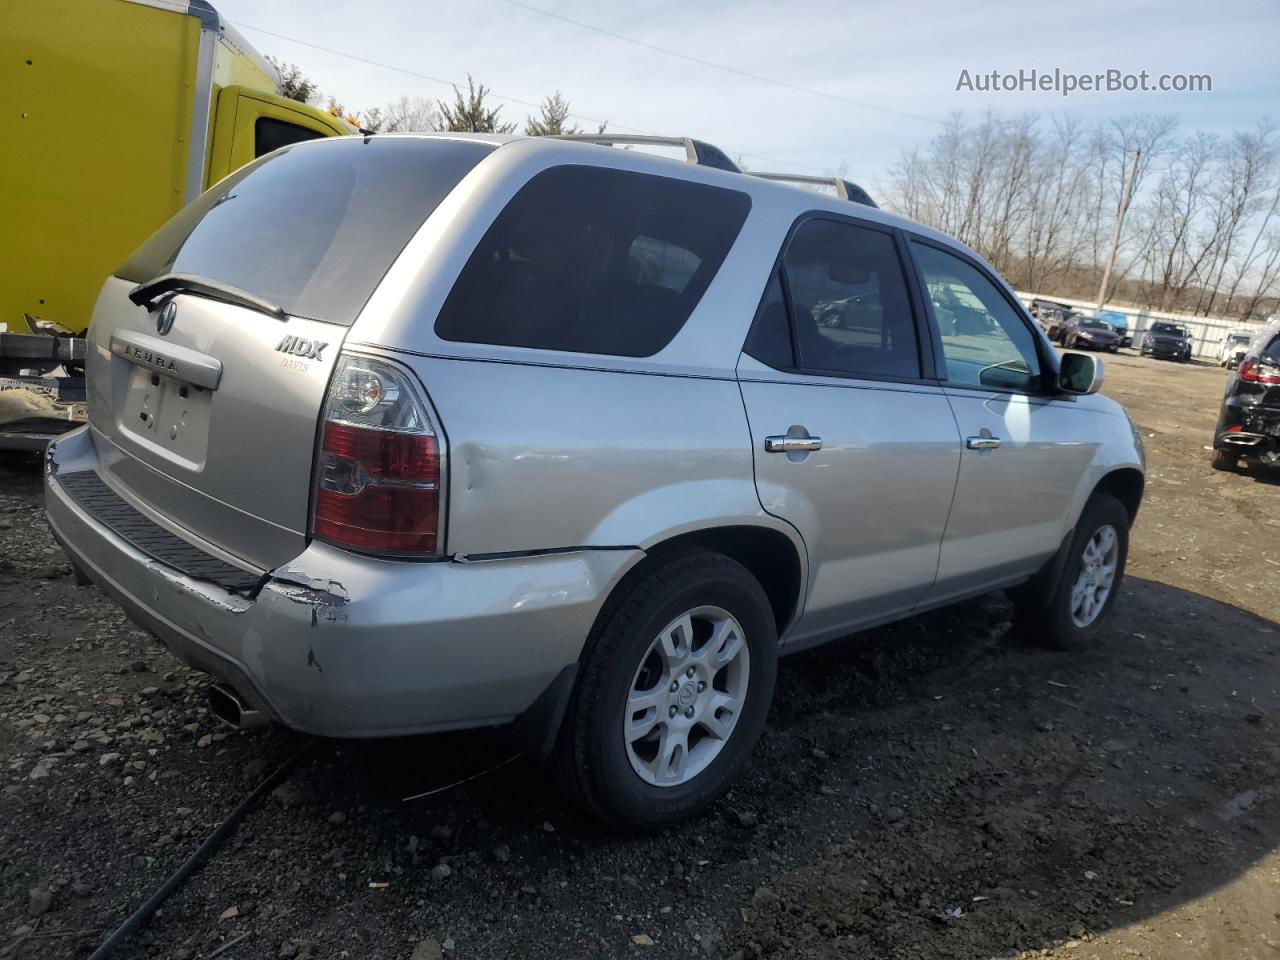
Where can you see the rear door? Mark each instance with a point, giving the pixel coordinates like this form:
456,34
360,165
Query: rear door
854,443
205,410
1025,450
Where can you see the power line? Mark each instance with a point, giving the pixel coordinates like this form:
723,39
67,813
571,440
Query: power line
501,96
720,66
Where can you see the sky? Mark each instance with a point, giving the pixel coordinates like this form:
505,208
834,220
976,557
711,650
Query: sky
875,78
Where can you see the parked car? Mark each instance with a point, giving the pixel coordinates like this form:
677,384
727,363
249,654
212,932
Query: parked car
1088,333
1234,347
1170,341
1050,315
397,434
1119,323
1249,420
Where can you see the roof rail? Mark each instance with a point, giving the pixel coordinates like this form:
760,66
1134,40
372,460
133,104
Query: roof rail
696,151
845,190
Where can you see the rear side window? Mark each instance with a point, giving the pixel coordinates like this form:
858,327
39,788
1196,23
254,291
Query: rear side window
272,134
592,260
311,229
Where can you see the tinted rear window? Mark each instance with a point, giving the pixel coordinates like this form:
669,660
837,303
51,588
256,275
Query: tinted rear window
591,260
312,229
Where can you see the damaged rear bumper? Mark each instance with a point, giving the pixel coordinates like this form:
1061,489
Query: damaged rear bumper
342,645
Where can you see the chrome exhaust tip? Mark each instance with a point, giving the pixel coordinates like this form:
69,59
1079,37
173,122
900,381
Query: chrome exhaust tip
1239,439
231,710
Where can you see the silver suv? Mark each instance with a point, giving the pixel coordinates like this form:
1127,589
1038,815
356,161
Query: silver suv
399,434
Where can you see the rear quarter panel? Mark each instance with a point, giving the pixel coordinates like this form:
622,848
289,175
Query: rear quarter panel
544,457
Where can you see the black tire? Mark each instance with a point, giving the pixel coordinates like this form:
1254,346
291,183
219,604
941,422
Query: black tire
591,759
1043,617
1223,460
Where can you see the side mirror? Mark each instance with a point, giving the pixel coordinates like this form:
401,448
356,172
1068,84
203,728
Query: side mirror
1080,373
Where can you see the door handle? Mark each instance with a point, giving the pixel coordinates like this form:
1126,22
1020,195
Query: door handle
982,443
791,444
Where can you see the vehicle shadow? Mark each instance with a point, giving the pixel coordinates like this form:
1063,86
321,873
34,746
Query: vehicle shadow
1261,474
934,788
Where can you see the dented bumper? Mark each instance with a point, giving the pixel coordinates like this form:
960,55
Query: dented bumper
342,645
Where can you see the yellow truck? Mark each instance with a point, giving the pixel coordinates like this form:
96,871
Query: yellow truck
119,113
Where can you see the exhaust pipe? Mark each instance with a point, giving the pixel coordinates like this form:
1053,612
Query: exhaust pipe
228,707
1239,439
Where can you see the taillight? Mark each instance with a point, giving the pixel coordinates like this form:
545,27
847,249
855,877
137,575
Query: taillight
378,474
1252,372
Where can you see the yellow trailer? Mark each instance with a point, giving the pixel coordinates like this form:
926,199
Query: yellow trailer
119,113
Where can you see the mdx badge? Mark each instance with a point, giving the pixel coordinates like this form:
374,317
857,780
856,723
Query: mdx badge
300,347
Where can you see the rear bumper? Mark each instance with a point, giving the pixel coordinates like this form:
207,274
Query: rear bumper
341,645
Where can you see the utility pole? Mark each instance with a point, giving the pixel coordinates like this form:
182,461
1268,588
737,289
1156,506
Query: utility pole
1126,195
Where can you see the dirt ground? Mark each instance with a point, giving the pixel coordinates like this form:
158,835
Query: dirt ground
933,789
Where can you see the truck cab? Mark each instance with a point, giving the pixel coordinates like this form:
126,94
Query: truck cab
127,110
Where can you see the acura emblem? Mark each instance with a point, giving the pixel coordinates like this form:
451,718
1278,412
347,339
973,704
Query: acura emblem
165,318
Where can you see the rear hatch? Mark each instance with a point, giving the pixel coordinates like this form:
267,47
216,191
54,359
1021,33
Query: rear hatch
205,394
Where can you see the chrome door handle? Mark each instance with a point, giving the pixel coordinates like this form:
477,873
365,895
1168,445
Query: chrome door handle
982,443
791,444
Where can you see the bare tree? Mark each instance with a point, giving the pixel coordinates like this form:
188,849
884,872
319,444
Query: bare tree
411,115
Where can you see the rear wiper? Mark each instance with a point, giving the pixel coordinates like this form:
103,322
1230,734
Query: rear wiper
169,284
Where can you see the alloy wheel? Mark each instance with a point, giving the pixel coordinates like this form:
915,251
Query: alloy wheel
686,697
1097,576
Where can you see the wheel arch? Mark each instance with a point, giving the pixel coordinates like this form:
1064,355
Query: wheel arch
771,556
1126,484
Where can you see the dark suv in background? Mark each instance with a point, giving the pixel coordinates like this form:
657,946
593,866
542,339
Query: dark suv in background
1249,422
1170,341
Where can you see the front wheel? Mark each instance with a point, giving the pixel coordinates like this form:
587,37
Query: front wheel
1072,615
672,693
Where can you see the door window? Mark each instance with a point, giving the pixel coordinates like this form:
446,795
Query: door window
849,301
984,340
848,306
770,337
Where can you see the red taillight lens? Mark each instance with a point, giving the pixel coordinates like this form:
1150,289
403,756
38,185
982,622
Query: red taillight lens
379,472
1252,372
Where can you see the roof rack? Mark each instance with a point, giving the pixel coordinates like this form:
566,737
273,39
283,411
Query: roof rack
696,151
845,190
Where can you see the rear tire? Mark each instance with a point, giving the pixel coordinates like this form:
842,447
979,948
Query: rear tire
1222,460
1074,614
654,663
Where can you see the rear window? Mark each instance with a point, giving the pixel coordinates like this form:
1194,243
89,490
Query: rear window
311,229
592,260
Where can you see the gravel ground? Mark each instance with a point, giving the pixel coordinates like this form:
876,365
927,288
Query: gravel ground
932,789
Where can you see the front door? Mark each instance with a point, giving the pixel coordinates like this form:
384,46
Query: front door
1025,451
853,444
